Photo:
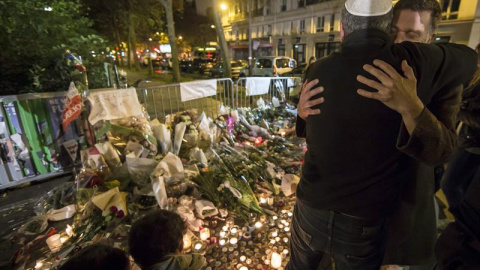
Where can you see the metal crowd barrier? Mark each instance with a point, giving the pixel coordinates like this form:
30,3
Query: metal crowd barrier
162,100
250,89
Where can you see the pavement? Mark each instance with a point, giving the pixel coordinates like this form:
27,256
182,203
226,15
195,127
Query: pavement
17,206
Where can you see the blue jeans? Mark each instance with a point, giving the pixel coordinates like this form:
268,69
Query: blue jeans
320,235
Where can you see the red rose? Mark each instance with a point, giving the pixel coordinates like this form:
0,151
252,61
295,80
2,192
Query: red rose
120,214
113,209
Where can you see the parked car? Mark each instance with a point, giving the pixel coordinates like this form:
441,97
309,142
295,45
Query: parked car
269,66
235,68
185,65
150,56
298,71
201,65
166,63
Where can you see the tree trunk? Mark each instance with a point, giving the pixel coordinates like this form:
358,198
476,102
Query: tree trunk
227,73
129,56
134,49
171,38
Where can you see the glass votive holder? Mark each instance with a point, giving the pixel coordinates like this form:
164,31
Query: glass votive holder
247,236
223,241
233,240
234,230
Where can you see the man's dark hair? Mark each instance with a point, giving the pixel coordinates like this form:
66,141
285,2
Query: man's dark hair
431,6
154,236
353,23
98,257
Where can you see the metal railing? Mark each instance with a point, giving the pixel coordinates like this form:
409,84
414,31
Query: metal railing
250,89
162,100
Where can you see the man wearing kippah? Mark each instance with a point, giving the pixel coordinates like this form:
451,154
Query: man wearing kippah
359,150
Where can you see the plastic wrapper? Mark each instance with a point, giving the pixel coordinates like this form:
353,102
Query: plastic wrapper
158,186
144,198
62,213
112,198
110,154
289,184
139,123
35,225
92,159
205,136
140,170
120,136
57,198
178,139
163,136
205,209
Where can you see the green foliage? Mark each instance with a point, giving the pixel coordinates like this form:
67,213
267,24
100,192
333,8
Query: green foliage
34,35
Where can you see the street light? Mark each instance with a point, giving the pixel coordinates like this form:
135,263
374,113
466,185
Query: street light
223,6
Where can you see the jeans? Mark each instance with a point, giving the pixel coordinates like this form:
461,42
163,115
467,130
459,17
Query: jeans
318,235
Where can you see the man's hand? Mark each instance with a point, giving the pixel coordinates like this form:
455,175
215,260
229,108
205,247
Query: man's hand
395,91
305,104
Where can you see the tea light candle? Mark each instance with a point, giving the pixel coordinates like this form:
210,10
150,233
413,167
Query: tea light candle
187,242
274,217
204,233
274,233
287,229
243,258
272,242
225,228
258,225
247,236
39,265
285,239
223,233
198,245
223,241
276,260
289,214
248,261
54,242
234,230
233,240
243,268
262,199
63,239
285,252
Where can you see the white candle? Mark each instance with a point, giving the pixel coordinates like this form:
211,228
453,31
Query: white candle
223,241
39,265
204,234
243,258
258,224
187,242
276,260
233,240
54,243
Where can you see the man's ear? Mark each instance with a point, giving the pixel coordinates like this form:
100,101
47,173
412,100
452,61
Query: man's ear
342,32
431,38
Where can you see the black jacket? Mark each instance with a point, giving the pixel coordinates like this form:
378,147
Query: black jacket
354,164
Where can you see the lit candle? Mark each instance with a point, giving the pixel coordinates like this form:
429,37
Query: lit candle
243,258
276,260
233,240
285,239
63,239
263,200
272,242
287,229
275,217
243,268
187,242
234,230
204,233
290,214
248,261
258,141
69,230
258,225
223,241
225,228
54,242
39,265
223,233
283,134
274,233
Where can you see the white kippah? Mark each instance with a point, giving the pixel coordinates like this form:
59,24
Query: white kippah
368,8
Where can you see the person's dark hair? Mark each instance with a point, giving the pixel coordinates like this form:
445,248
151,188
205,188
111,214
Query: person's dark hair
353,23
154,236
98,257
432,6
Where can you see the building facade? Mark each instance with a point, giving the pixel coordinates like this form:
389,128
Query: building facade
302,29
